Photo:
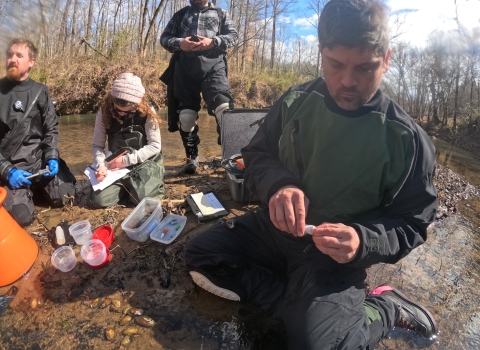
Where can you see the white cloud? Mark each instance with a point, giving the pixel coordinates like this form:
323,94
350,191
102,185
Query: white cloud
311,39
306,21
285,19
425,16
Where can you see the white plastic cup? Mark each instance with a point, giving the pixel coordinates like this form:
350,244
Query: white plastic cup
81,232
63,259
94,252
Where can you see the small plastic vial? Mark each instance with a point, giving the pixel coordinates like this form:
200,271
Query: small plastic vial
60,235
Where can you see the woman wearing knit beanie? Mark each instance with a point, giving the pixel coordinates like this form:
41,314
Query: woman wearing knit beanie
130,126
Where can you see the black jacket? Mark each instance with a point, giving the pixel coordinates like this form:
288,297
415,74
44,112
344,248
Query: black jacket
35,140
398,227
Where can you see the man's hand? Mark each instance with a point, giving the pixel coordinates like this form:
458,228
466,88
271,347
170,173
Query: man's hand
116,164
53,166
339,241
204,44
101,173
187,45
288,210
18,178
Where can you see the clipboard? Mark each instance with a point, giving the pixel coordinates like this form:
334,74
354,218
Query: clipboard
206,206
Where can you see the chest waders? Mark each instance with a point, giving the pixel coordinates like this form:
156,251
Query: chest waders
199,72
144,179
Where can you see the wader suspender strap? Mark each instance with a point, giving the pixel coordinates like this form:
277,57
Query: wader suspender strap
14,130
220,20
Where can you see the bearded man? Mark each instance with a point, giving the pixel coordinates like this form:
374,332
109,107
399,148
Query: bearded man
28,137
199,36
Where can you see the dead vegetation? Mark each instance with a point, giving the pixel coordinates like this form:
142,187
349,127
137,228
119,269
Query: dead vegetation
79,85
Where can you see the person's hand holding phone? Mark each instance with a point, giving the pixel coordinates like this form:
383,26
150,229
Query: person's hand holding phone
204,43
190,43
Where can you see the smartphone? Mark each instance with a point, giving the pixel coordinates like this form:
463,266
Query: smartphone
194,38
117,153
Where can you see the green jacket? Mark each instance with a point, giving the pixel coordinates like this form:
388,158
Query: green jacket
371,168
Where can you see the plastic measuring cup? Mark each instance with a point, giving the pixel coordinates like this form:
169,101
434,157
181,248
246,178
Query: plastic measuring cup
94,252
81,232
63,259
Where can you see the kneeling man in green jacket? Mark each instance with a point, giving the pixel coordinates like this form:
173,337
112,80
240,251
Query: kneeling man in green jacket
339,159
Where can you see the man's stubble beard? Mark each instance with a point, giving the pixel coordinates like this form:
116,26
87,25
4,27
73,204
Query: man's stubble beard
352,104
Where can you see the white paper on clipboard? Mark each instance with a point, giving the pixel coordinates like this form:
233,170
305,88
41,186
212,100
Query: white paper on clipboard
208,204
112,176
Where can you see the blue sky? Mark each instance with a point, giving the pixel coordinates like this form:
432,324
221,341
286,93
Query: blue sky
422,17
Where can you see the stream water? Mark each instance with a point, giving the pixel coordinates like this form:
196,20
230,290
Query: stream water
443,274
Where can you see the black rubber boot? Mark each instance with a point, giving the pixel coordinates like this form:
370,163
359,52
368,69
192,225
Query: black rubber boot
410,315
190,142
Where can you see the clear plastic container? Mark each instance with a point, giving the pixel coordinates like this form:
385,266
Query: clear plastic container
81,232
169,228
94,252
144,219
63,258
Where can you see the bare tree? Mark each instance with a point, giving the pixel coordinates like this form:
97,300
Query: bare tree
278,8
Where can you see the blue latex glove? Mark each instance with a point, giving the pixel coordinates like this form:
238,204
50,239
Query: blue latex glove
18,178
53,166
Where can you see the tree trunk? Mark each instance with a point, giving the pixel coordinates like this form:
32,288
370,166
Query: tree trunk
457,79
89,24
73,31
150,27
264,39
245,35
274,29
62,35
143,21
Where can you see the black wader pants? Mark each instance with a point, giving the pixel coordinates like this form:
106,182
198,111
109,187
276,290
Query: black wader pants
320,301
204,73
19,203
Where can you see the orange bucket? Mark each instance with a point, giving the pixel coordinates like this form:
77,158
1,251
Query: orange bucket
18,250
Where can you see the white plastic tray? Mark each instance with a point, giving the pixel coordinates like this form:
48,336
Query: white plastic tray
170,236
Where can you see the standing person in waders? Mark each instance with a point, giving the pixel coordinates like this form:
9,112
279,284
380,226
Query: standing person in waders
199,36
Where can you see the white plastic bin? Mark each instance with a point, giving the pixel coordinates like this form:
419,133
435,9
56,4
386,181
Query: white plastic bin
143,219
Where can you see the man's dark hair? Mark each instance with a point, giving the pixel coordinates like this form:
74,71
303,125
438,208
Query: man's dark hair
355,23
32,50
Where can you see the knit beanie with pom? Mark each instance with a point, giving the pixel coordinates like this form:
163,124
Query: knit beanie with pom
128,87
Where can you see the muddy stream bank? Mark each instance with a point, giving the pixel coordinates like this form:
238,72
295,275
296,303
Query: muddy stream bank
54,310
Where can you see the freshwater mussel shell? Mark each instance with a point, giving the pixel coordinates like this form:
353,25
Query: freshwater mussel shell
116,303
105,303
126,341
132,311
109,334
125,320
130,331
145,321
94,303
